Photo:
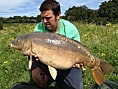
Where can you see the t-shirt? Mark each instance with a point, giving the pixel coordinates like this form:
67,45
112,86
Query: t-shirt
66,28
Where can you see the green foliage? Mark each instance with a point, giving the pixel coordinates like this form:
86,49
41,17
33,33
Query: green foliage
1,25
77,13
38,18
101,40
107,12
19,19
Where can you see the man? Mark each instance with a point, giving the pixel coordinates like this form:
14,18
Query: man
51,22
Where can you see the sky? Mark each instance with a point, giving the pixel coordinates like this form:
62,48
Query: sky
10,8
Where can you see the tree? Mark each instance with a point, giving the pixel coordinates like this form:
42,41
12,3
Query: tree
115,1
109,10
38,18
1,25
76,13
81,13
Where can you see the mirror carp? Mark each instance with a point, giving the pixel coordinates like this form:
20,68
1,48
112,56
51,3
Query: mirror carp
60,52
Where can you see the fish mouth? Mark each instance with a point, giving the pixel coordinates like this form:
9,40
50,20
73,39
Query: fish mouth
11,45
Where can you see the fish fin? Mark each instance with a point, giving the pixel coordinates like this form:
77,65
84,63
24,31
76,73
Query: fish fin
30,62
98,75
106,67
83,68
100,71
53,72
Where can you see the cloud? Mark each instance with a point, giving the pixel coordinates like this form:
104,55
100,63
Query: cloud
5,4
19,7
91,4
68,4
31,7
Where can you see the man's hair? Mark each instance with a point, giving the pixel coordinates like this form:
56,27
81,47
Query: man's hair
50,5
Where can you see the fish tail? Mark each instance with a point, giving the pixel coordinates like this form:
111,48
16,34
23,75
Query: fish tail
106,67
99,71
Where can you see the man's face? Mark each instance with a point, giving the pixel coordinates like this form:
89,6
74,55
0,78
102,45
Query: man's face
50,20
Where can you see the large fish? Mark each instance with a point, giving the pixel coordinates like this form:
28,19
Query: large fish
60,52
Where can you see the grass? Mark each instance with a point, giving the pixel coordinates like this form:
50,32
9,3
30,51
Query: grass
101,40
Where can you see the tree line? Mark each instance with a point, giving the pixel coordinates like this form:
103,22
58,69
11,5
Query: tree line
107,12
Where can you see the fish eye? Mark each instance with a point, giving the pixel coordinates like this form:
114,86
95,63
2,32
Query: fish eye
17,39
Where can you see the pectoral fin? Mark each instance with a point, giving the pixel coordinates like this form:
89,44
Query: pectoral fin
53,72
30,62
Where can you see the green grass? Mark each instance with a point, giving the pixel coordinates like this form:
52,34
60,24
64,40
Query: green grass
101,40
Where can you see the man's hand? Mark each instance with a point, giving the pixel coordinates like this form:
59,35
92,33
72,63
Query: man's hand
78,65
35,56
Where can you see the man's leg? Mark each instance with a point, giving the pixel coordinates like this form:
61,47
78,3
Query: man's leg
40,79
40,74
70,79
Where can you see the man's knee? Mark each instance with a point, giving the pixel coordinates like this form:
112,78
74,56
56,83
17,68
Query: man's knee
39,77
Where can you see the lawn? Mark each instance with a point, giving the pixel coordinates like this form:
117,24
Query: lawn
101,40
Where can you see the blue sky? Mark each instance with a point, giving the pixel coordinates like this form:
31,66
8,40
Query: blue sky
31,7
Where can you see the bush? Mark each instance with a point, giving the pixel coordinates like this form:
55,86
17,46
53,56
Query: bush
1,25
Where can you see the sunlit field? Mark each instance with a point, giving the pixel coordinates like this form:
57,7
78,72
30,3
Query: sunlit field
101,40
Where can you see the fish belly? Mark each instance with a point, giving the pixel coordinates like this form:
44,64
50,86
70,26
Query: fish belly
56,57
